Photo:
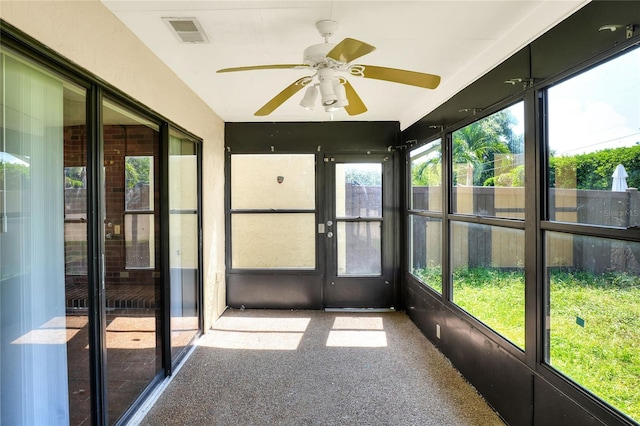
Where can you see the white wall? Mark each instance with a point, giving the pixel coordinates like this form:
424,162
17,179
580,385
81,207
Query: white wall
87,33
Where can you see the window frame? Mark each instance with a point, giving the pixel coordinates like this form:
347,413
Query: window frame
411,211
546,226
269,211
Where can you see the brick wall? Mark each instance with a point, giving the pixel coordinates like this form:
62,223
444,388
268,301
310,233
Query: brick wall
125,287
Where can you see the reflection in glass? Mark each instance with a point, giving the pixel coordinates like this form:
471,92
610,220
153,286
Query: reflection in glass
488,165
138,172
594,150
273,240
183,241
426,177
132,295
593,319
44,361
425,234
488,276
139,240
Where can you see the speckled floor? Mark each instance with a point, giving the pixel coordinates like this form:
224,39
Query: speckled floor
266,367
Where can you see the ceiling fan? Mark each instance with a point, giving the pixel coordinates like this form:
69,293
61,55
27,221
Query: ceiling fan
326,60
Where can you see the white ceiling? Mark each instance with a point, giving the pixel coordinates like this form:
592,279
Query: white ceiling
458,40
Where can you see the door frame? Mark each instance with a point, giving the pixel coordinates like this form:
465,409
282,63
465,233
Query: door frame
303,289
357,291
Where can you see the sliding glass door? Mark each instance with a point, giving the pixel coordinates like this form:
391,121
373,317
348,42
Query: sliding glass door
184,261
44,344
100,264
132,278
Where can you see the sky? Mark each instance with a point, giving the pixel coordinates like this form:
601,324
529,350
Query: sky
597,109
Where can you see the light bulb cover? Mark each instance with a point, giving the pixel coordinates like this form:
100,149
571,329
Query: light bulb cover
326,92
341,94
310,97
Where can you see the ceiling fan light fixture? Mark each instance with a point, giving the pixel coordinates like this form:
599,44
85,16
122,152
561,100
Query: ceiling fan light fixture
310,97
327,94
341,94
327,60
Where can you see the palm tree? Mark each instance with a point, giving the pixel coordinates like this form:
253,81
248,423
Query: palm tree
426,166
476,144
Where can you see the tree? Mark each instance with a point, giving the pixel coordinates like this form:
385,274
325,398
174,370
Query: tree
593,170
14,176
137,170
476,144
426,167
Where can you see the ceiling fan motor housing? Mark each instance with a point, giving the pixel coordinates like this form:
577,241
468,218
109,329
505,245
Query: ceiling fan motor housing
317,54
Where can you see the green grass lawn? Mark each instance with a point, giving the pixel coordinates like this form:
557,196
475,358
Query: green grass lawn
594,335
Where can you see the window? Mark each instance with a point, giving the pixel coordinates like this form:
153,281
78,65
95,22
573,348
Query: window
425,235
592,276
594,315
138,218
273,211
488,165
358,213
183,240
488,276
425,222
426,177
594,145
487,256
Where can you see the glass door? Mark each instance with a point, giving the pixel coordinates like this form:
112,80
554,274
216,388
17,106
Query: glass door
357,233
132,278
184,258
44,343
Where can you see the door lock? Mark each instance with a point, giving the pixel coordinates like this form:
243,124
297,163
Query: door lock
329,234
329,223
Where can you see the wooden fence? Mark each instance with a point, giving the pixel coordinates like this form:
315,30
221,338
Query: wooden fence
483,245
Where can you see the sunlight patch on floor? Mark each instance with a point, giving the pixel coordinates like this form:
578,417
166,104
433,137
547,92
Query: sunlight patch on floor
57,331
357,339
358,323
357,332
260,341
258,333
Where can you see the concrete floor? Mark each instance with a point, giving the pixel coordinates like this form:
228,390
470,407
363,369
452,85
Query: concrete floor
267,367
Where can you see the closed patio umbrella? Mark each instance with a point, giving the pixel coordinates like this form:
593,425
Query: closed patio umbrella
619,179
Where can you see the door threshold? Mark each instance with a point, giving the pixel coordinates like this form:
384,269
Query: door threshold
360,310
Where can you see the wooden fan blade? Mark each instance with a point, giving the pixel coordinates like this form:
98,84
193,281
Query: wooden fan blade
412,78
281,97
356,106
265,67
350,49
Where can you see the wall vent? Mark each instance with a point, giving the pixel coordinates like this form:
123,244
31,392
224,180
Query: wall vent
188,30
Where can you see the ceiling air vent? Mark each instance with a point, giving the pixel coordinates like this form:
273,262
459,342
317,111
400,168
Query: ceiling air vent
188,30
